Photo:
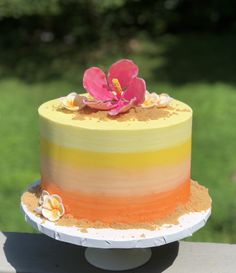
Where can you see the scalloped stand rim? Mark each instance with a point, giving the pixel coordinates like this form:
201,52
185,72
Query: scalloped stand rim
115,249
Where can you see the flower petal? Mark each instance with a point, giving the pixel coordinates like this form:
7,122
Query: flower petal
122,106
165,99
42,197
95,83
124,70
79,101
47,203
153,96
100,105
55,201
151,100
51,215
45,193
136,89
38,210
73,102
55,215
46,213
61,209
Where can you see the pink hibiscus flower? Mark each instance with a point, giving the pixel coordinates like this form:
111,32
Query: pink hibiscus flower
119,92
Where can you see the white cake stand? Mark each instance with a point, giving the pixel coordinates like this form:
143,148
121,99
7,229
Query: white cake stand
118,249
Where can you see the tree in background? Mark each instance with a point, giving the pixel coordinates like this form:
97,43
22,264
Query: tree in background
86,22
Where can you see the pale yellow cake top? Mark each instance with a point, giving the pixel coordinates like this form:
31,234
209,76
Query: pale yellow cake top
175,113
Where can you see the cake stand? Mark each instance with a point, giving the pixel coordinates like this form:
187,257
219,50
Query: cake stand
118,249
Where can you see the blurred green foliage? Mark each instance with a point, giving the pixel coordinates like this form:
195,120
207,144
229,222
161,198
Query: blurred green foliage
19,8
51,33
88,22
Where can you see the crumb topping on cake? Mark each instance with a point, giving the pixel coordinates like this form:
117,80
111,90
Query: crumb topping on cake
175,112
136,113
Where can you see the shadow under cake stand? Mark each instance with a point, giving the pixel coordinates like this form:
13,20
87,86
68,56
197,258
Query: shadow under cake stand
118,249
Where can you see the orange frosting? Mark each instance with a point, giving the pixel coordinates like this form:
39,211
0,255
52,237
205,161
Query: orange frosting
114,209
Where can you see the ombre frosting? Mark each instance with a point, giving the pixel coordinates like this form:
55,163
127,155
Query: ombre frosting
114,171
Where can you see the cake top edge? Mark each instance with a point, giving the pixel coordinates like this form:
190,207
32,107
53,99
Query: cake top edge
135,119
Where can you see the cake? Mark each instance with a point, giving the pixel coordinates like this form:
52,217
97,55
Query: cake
117,154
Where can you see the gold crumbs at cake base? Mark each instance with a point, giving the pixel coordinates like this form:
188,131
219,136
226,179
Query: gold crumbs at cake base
199,201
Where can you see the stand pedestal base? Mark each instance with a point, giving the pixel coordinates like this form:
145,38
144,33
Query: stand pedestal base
118,259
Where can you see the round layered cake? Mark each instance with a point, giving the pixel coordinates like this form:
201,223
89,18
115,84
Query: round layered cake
130,168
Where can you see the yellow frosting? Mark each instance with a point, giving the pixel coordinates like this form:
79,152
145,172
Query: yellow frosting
116,136
49,110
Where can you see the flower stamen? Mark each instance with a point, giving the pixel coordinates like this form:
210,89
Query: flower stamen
117,86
